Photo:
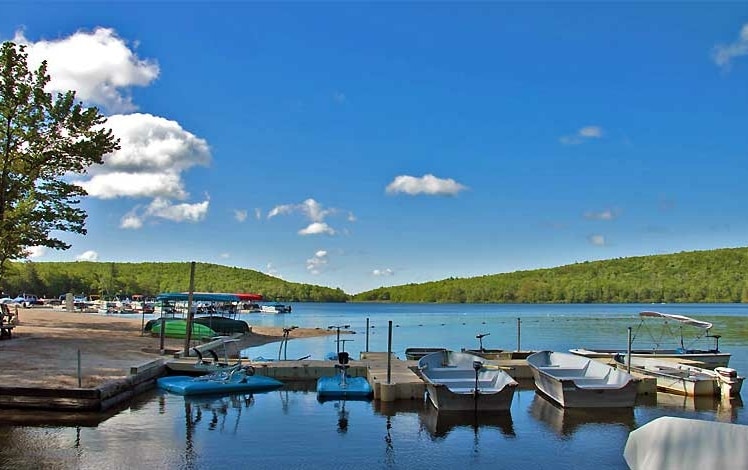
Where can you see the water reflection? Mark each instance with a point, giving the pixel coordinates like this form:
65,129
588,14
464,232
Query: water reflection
216,410
566,421
440,423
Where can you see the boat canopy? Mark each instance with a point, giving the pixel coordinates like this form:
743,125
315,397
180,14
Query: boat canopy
680,318
198,297
249,297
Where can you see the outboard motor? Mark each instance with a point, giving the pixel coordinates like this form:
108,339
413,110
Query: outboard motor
477,365
729,382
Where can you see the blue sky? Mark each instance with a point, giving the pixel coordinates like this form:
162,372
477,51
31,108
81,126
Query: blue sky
356,145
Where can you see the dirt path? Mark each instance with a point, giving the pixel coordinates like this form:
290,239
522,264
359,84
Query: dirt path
44,348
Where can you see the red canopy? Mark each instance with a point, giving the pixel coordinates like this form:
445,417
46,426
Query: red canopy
249,297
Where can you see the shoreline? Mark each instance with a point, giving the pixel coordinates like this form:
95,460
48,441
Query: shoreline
43,350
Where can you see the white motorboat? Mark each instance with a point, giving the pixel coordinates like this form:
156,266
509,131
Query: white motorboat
684,379
666,344
578,382
457,381
275,308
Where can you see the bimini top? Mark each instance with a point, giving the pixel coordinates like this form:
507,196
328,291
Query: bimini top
680,318
207,297
197,297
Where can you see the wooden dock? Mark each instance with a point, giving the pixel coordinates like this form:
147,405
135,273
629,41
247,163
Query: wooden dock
404,382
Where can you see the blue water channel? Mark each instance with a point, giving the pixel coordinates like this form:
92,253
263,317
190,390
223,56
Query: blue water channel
290,428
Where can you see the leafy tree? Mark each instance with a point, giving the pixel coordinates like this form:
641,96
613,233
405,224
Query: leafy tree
42,140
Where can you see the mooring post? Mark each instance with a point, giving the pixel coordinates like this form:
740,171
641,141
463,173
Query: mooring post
367,334
628,355
80,379
519,328
190,315
389,354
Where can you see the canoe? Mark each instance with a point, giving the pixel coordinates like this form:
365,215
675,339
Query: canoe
684,379
186,385
577,382
178,329
457,381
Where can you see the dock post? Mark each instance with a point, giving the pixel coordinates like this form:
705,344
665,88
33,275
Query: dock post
519,328
389,354
190,314
628,355
367,334
80,379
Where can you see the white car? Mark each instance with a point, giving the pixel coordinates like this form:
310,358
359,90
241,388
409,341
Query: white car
26,300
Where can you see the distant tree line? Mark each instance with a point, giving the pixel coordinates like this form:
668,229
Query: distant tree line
125,279
689,277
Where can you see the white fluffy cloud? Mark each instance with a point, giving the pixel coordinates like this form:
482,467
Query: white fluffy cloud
582,135
313,211
317,228
723,54
427,184
89,255
383,272
597,240
164,209
154,152
606,214
240,215
316,263
36,251
98,65
103,68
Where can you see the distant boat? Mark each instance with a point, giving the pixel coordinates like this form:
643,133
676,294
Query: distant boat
414,354
457,381
577,382
709,358
683,379
275,308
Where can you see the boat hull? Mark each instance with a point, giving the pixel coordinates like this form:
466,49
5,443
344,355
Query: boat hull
186,385
576,382
454,384
682,379
415,354
707,359
178,329
332,388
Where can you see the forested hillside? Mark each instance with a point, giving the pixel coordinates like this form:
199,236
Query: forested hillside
700,276
110,279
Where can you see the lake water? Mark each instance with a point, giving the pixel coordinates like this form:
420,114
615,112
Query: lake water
289,428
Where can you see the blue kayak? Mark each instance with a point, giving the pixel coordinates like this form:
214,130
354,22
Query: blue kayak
186,385
336,388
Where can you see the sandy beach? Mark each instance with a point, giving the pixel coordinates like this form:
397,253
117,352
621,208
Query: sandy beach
44,348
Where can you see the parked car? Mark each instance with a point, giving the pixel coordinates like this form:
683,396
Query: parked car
27,300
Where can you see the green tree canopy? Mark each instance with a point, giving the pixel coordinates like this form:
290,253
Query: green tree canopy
43,140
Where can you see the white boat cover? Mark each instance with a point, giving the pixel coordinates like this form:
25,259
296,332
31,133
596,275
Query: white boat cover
682,444
679,318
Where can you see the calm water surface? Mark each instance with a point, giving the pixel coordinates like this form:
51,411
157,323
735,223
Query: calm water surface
289,428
